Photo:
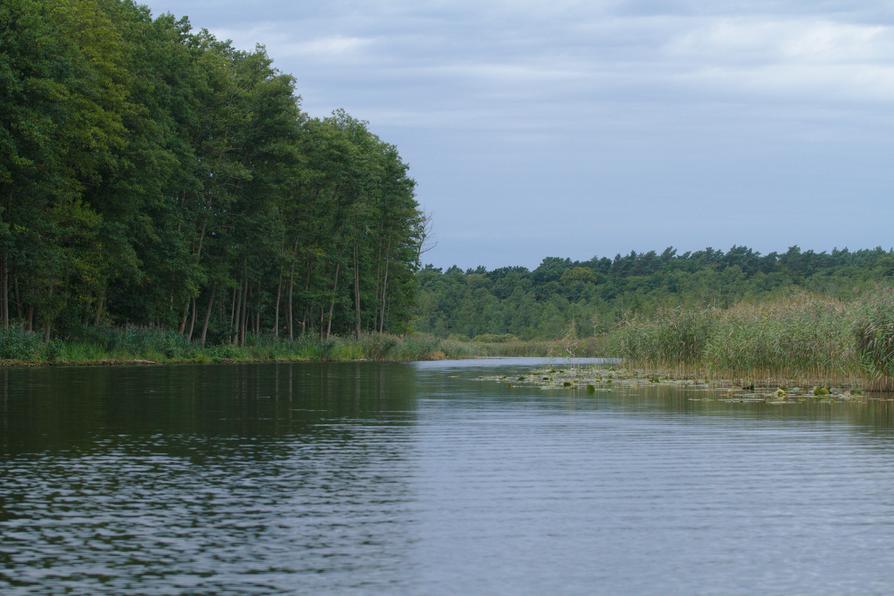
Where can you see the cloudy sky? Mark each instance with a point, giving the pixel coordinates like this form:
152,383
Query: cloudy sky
576,129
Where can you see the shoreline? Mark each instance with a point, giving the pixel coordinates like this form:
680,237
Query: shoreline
556,376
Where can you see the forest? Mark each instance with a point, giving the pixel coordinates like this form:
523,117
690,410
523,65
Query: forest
163,195
153,176
596,295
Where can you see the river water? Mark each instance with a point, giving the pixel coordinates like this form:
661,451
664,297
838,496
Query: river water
421,479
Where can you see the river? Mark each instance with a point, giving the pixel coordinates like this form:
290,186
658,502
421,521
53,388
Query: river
422,479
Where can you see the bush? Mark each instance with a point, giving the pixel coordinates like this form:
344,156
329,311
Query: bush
377,346
18,344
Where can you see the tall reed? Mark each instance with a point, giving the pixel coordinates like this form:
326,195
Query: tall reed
800,338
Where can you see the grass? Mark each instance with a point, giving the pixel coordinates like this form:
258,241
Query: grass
798,339
111,345
107,345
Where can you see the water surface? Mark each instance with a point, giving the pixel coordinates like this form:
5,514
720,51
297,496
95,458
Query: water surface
402,478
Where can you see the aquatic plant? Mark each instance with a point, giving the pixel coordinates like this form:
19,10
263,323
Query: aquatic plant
874,333
799,337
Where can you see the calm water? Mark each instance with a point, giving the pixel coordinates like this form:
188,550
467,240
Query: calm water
417,479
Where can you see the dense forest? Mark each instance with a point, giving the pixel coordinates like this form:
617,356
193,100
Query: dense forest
595,295
152,175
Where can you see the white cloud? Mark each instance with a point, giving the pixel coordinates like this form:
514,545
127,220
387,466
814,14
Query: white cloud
726,40
326,48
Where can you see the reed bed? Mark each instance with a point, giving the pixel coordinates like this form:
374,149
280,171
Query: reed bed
800,339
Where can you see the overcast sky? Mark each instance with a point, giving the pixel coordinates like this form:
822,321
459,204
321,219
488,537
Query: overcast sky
563,128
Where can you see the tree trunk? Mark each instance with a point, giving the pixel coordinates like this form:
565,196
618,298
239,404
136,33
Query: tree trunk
99,308
332,301
244,316
291,292
306,304
378,278
15,285
184,318
357,314
276,310
208,315
192,321
384,296
258,312
4,281
237,313
201,241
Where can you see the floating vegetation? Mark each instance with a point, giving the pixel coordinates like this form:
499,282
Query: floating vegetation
595,379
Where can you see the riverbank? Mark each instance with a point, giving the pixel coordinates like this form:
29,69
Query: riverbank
140,346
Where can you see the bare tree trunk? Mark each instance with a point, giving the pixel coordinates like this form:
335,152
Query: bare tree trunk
258,312
276,310
291,292
99,308
306,305
237,315
184,318
244,317
201,241
233,309
357,321
208,315
192,321
378,279
30,317
15,285
384,296
332,301
5,289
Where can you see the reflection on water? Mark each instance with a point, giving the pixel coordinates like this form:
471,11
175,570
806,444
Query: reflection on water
420,479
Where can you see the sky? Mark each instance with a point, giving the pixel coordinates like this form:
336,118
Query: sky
593,128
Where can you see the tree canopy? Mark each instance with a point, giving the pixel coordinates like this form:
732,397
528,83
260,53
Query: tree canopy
595,294
153,175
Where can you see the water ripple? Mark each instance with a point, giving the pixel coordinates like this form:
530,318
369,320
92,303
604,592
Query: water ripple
400,479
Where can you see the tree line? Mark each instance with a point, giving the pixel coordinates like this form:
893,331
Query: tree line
596,294
153,175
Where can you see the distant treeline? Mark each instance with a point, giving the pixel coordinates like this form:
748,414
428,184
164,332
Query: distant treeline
152,175
599,293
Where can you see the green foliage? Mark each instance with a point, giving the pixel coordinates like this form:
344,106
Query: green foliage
153,176
18,344
599,294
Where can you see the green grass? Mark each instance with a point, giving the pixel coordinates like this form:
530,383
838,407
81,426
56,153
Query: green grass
118,345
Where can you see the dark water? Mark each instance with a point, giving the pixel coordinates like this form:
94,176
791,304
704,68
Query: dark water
416,479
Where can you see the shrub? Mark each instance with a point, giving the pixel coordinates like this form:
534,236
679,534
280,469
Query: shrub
18,344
